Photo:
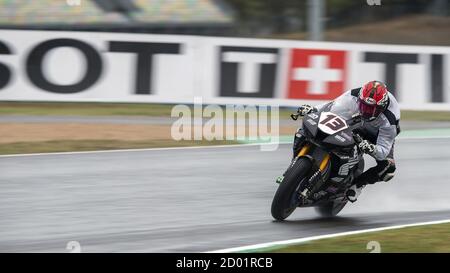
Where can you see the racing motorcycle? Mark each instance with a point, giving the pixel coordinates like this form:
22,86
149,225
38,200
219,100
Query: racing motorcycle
328,161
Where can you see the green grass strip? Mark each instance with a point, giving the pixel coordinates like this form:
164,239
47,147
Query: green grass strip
420,239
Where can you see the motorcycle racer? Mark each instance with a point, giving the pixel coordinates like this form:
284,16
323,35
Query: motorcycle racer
380,115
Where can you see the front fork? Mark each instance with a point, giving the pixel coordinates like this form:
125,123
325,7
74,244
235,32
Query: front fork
324,156
320,160
302,148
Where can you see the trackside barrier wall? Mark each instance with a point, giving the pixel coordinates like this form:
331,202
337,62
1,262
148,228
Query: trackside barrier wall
113,67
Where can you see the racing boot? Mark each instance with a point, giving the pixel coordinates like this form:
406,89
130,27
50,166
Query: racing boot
353,192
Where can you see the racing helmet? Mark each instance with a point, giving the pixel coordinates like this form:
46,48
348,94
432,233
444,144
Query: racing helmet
373,99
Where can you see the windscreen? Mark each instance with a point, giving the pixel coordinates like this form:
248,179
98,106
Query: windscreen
344,111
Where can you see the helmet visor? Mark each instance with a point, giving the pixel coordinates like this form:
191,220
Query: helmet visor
368,111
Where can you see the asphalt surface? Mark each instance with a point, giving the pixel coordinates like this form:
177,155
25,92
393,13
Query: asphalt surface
193,200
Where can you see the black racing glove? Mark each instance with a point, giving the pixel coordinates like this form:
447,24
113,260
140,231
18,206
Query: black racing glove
367,147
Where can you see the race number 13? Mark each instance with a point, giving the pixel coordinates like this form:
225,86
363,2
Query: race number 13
333,122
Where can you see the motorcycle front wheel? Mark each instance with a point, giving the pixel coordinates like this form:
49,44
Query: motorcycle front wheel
286,200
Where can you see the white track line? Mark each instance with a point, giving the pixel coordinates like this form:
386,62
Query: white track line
308,239
141,150
183,148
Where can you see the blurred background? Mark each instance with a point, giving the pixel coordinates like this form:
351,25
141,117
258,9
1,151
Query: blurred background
407,22
149,200
393,21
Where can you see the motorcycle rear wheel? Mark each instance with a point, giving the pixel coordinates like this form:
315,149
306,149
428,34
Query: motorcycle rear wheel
282,204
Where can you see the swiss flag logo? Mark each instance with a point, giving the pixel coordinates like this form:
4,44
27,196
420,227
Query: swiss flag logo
316,74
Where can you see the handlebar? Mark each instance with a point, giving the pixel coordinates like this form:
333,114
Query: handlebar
297,114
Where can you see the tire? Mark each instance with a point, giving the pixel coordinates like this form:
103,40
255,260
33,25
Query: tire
282,204
331,209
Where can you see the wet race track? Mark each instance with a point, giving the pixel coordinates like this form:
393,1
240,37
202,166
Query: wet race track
194,200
